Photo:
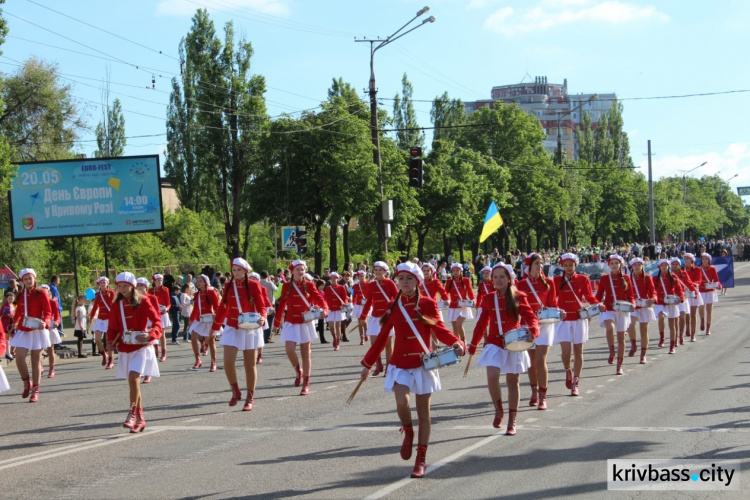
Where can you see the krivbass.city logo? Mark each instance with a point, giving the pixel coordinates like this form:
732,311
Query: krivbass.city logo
673,474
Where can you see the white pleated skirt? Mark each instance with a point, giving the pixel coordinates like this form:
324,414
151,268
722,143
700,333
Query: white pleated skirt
506,361
710,297
547,334
201,329
54,336
459,312
373,327
142,361
621,319
242,339
33,340
576,332
100,325
4,385
301,333
643,315
670,311
357,311
165,323
418,380
684,307
336,316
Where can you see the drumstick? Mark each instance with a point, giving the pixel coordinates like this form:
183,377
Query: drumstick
468,364
354,392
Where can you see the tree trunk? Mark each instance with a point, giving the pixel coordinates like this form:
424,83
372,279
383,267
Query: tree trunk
421,237
475,249
332,249
408,242
318,249
446,245
345,238
460,241
246,241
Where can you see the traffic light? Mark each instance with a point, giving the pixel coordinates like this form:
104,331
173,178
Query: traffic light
301,240
416,168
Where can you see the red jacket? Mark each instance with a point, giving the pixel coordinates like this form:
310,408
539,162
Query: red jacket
253,298
548,296
670,288
489,318
712,275
359,293
645,287
54,307
205,302
103,303
38,306
162,298
407,351
295,305
605,290
454,287
432,288
696,275
137,320
484,289
566,299
336,296
685,281
376,300
3,340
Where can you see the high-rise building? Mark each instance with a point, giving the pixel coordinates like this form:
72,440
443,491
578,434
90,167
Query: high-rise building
551,104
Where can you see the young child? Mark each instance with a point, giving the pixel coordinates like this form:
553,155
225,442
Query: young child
80,323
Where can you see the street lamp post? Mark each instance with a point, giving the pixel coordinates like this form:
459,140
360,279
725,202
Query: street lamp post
684,195
374,46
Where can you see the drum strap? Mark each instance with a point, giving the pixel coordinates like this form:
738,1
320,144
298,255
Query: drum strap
337,295
635,285
574,293
25,300
236,297
705,275
531,285
497,315
612,285
413,328
426,290
661,280
301,294
460,297
104,301
387,298
122,314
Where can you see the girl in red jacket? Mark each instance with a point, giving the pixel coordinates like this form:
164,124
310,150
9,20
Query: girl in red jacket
667,287
411,315
54,334
31,319
379,293
163,300
615,287
298,296
696,277
133,327
336,297
506,309
459,289
691,290
643,288
205,305
359,301
101,309
708,289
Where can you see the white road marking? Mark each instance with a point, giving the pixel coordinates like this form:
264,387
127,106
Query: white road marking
282,399
600,386
611,380
330,387
590,391
532,419
352,382
193,420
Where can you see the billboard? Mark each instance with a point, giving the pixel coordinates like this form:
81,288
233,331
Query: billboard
743,191
86,197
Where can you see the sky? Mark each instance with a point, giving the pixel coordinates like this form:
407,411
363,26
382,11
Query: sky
652,54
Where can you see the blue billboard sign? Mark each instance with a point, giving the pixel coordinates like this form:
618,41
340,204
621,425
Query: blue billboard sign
86,197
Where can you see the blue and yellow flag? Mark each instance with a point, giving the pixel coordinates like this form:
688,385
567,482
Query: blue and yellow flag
492,222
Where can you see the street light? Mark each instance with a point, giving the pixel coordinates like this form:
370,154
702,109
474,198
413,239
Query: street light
374,46
558,156
727,180
684,194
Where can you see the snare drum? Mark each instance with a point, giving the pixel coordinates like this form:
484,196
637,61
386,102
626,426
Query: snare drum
518,340
443,304
623,306
549,315
712,285
207,318
33,323
589,312
132,338
312,314
162,309
671,300
691,294
363,302
466,303
347,308
642,302
249,321
440,357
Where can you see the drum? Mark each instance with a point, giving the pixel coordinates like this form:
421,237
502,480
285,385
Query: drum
518,340
549,315
589,312
132,338
671,300
347,308
313,314
642,302
443,304
162,309
363,302
466,303
440,357
33,323
249,321
623,306
712,285
691,294
207,318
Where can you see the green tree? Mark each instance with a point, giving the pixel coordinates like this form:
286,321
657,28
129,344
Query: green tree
110,132
405,118
447,112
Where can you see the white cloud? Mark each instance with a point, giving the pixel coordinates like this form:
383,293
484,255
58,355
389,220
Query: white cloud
187,8
549,14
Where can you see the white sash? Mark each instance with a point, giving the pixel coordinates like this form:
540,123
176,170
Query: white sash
426,290
460,297
337,295
25,300
661,280
705,275
497,314
574,293
124,321
413,328
531,285
300,294
236,297
387,298
104,300
635,285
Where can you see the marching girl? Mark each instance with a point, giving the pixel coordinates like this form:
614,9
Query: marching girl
614,287
689,289
336,297
571,288
346,280
31,319
380,292
142,285
133,327
540,293
696,277
267,304
502,311
241,295
101,309
163,300
414,319
485,287
359,301
643,288
206,303
709,295
459,289
4,385
666,285
54,334
297,297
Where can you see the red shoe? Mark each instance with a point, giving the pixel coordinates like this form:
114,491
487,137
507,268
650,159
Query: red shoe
661,339
619,367
633,348
213,366
34,394
406,446
568,378
542,399
140,422
260,359
497,422
249,402
420,465
130,420
51,372
682,340
110,363
611,359
335,346
671,347
163,357
26,388
574,390
204,349
361,340
305,387
298,376
692,337
104,359
236,395
198,363
511,431
147,379
534,396
378,368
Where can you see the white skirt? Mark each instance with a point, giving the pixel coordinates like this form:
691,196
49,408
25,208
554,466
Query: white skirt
698,301
670,311
142,361
33,340
4,385
459,312
54,336
336,316
373,327
201,329
684,307
100,325
643,315
710,297
418,380
576,332
507,361
547,334
301,333
357,311
621,319
242,339
165,323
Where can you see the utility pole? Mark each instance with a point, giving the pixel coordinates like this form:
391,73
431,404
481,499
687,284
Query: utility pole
651,196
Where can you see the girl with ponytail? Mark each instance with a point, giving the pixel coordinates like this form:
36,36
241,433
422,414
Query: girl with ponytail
614,287
666,285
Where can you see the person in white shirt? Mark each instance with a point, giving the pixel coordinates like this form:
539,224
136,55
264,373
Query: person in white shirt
80,323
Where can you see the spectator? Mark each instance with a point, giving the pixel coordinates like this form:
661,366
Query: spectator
216,281
186,308
174,312
12,286
80,325
270,289
7,310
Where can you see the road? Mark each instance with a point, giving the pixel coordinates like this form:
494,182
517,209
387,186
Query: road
695,404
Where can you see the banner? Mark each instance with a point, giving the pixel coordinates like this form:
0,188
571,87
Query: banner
6,274
86,197
743,191
725,267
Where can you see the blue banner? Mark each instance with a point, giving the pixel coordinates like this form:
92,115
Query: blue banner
725,267
86,197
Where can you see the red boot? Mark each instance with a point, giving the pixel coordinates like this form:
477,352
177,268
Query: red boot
643,356
147,379
51,371
498,414
406,446
34,394
568,378
260,358
163,357
249,402
130,420
633,348
692,336
511,431
378,368
420,465
198,363
534,396
305,387
362,339
682,339
110,362
298,376
611,359
236,395
213,366
105,359
574,390
140,422
671,347
542,398
661,339
26,387
619,366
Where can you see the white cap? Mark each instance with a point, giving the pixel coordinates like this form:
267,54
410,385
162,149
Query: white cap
26,271
614,256
254,275
239,261
456,265
508,269
334,274
155,277
662,261
382,265
296,263
636,260
708,256
411,268
675,259
126,277
142,281
486,268
45,286
689,256
308,276
205,278
427,264
569,256
102,278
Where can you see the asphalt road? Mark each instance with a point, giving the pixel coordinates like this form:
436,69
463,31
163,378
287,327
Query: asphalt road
695,404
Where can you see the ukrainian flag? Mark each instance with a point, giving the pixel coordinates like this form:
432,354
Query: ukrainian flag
492,222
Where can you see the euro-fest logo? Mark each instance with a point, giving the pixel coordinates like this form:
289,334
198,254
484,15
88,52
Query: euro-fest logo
140,171
27,223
